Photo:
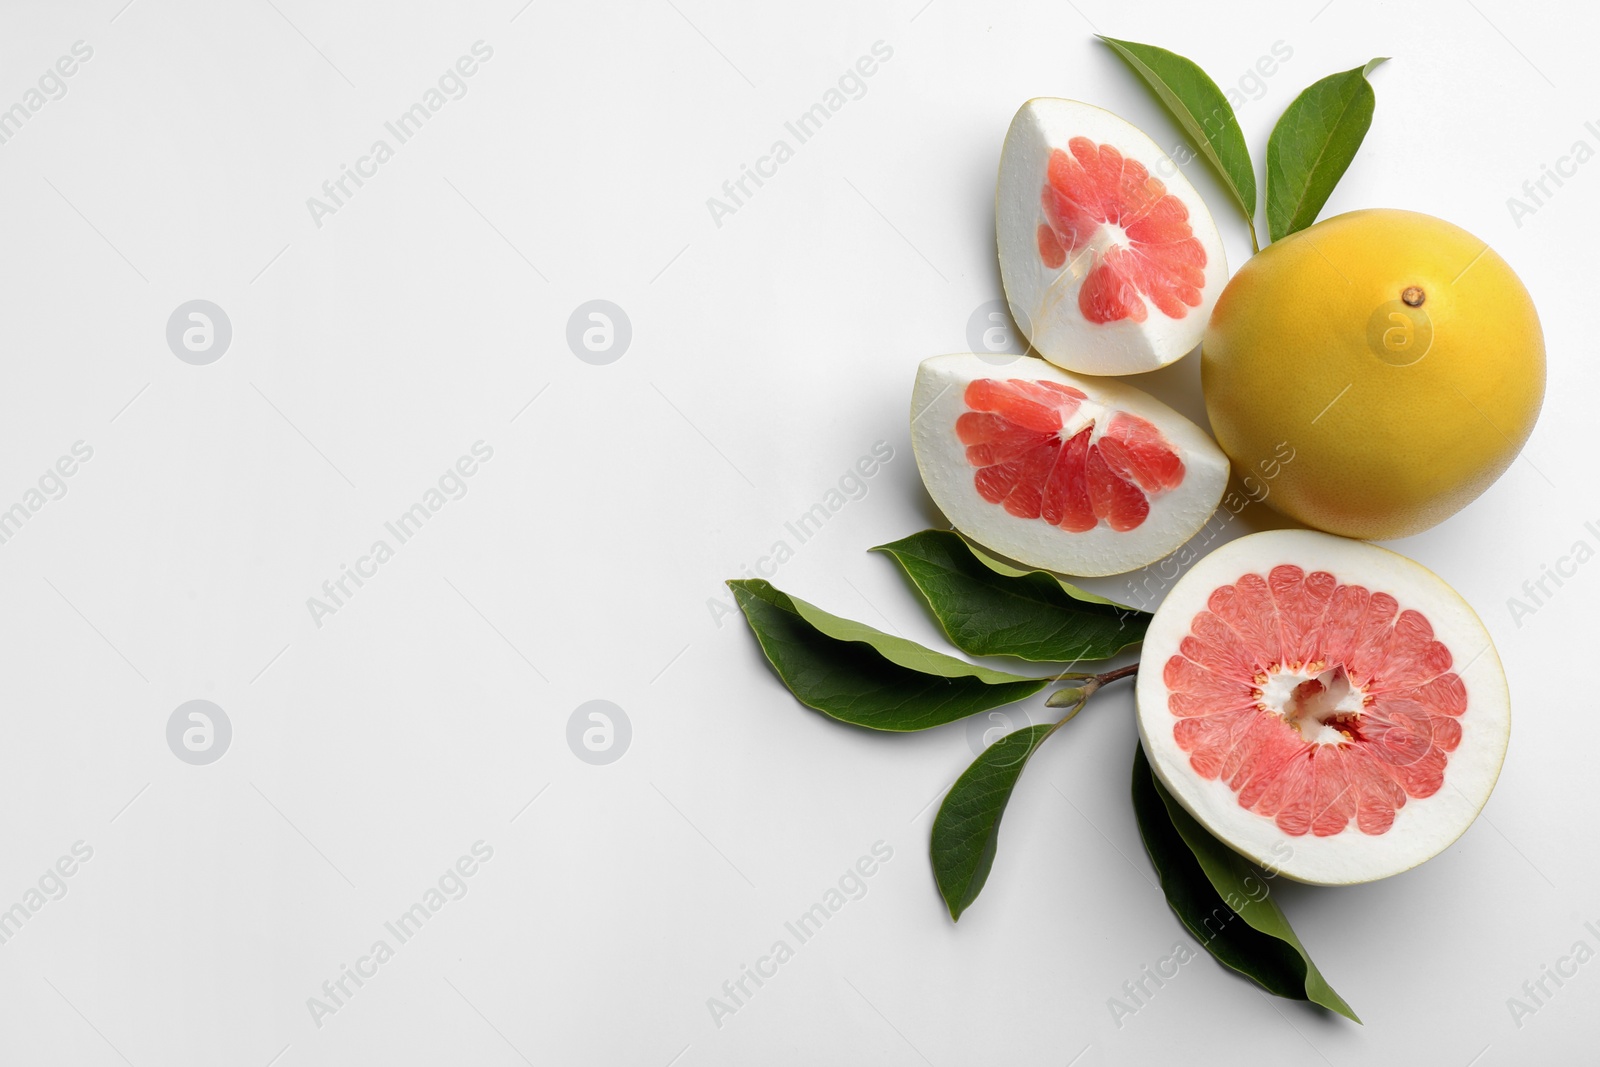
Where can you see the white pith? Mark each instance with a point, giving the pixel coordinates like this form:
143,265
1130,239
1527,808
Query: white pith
1045,299
1088,413
1423,827
939,399
1310,716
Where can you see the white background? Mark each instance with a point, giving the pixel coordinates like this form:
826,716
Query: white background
768,354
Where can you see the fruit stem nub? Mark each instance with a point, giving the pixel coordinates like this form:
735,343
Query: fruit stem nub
1079,695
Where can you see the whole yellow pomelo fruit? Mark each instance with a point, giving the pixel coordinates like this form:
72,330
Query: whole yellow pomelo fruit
1395,357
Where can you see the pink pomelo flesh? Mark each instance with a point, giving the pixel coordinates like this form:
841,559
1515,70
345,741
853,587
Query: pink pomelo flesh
1320,704
1137,235
1326,707
1083,476
1110,260
1038,461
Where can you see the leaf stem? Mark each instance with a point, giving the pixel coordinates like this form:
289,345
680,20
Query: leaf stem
1121,672
1098,680
1255,242
1091,684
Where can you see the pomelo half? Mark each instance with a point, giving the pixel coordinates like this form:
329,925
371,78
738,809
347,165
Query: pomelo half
1083,476
1330,709
1110,261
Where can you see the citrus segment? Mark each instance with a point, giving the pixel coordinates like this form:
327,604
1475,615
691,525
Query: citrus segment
1155,256
1109,258
1033,458
1074,475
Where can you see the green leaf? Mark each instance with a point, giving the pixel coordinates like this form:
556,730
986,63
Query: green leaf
863,676
1209,886
967,828
1312,145
990,609
1203,112
1232,877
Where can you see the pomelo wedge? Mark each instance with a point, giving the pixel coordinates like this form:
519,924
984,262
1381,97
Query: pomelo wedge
1084,476
1331,710
1109,258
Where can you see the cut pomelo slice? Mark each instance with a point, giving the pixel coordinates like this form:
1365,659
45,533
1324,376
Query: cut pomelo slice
1109,258
1328,708
1084,476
